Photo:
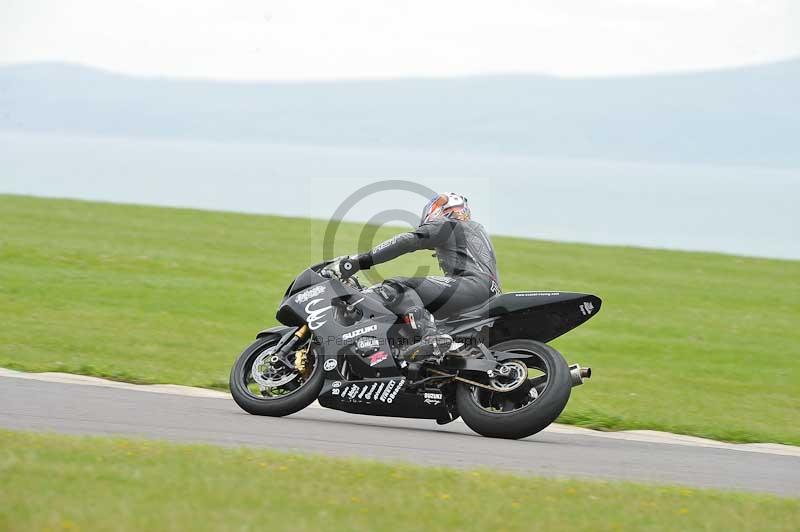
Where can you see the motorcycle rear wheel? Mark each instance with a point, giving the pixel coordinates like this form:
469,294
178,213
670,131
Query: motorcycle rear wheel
523,411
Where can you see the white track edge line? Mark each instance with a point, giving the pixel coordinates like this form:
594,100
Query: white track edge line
642,436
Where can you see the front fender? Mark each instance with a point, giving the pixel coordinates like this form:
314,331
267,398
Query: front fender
281,331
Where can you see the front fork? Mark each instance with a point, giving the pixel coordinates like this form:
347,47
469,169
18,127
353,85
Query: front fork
299,337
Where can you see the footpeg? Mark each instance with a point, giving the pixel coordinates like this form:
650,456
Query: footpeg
429,349
442,343
455,346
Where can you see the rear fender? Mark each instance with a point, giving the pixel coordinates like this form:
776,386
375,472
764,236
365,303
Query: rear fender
501,356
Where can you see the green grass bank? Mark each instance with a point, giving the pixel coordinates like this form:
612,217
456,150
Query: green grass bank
694,343
50,482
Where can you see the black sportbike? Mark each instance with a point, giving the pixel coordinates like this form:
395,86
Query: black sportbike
340,345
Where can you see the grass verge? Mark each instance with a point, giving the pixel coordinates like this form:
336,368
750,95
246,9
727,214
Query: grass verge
90,483
694,343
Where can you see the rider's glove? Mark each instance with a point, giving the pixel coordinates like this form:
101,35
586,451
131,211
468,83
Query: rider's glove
345,267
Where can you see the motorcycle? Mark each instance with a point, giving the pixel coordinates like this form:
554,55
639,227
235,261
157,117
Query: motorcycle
341,346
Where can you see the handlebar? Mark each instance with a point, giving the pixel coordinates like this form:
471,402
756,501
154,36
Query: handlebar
356,283
330,273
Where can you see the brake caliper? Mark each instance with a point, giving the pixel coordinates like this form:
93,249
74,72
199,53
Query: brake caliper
301,361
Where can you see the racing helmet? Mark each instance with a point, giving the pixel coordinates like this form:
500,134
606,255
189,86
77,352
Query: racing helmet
447,205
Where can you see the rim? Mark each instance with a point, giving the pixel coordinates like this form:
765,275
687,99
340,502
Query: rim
264,378
521,395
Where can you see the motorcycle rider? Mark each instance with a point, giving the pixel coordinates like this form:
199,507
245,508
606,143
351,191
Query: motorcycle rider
466,256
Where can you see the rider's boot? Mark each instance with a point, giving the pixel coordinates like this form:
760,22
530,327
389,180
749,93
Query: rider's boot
432,344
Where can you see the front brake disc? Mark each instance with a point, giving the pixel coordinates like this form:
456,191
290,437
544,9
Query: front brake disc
263,371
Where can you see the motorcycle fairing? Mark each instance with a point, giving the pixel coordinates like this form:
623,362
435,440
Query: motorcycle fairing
383,397
309,277
320,307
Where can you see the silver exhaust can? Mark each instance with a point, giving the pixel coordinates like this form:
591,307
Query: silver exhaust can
578,374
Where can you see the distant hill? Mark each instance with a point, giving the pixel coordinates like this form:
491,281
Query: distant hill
747,115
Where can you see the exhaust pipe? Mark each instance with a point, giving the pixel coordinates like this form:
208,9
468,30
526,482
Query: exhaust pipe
577,374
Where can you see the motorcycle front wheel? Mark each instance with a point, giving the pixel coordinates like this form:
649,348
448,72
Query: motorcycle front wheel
264,387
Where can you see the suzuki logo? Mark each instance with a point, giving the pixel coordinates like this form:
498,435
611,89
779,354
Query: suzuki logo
359,332
315,316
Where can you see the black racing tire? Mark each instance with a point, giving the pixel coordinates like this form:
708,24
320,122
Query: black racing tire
276,406
529,419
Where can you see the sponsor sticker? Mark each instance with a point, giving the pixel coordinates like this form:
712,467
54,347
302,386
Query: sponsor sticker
384,391
359,332
315,315
330,364
395,391
311,293
433,398
377,358
365,343
586,308
368,397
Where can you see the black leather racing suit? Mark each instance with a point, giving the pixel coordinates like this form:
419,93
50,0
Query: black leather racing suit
466,256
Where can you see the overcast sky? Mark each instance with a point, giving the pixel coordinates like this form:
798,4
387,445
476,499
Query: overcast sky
306,39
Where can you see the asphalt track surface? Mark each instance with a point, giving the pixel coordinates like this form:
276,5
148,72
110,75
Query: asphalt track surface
212,417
